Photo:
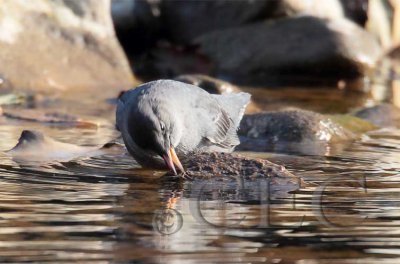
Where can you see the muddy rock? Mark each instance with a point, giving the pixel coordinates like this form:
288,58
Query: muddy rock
59,46
229,168
295,49
215,86
382,115
227,164
291,130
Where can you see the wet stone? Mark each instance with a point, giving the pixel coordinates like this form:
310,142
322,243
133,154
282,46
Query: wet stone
230,166
292,130
34,147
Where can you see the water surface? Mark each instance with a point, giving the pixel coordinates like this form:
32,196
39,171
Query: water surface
107,209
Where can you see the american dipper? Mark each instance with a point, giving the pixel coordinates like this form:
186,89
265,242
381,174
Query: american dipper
164,119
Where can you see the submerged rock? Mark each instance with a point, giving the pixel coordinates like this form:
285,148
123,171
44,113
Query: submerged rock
382,115
215,86
293,50
35,147
291,130
58,46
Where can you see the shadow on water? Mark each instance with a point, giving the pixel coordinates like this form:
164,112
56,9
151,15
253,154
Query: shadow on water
106,208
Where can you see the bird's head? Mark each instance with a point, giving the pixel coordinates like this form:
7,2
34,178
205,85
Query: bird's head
154,128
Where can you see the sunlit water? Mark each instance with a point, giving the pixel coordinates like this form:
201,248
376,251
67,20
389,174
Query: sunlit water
106,208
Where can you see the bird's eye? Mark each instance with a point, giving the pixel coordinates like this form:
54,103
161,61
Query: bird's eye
162,126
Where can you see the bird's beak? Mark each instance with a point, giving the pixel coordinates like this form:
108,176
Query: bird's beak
176,160
170,159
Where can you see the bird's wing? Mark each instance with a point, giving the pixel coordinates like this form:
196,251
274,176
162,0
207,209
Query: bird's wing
224,132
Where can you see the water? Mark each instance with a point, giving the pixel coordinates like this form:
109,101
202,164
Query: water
106,209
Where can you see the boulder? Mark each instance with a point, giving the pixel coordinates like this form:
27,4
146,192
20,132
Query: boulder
291,51
61,46
136,20
290,130
330,9
186,20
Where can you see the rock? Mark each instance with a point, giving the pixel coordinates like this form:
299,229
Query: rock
186,20
356,10
291,130
394,56
331,9
292,51
133,20
380,23
168,61
35,147
61,46
382,115
227,167
215,86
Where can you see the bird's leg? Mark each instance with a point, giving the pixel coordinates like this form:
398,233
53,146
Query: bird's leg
185,175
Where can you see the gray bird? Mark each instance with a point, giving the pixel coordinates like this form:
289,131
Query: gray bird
164,119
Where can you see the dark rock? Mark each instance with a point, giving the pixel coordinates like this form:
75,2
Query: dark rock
215,86
137,24
168,61
61,46
356,10
382,115
291,51
210,84
290,131
186,20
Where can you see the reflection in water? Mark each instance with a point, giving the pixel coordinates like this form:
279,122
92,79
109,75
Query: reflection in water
106,208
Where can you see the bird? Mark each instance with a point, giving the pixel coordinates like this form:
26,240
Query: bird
163,120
